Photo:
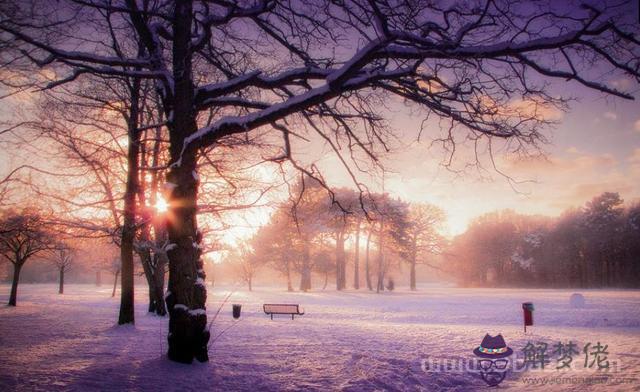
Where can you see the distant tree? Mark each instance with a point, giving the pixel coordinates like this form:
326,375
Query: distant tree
561,260
484,253
274,243
245,264
418,236
311,216
390,215
356,250
22,235
325,264
370,229
342,221
391,285
115,270
603,221
61,255
592,246
630,272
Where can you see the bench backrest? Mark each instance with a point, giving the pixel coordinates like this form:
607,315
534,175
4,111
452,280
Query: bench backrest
281,308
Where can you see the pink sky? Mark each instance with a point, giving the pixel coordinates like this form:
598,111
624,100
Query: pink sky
594,148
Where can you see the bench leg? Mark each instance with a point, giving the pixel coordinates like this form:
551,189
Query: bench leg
291,316
271,316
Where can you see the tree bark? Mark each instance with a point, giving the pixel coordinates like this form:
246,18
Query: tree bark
147,268
160,259
115,283
340,262
414,257
188,336
380,283
158,277
14,284
305,274
366,262
61,283
126,315
356,268
288,272
412,278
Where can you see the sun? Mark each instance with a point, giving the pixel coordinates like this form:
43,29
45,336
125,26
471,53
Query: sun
161,205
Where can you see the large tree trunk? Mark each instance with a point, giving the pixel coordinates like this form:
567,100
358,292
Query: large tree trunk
61,282
186,299
147,268
158,286
188,335
126,315
151,264
356,268
159,226
14,284
366,262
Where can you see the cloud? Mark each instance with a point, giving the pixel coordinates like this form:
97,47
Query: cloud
634,163
634,158
535,108
581,193
610,116
636,125
577,162
572,150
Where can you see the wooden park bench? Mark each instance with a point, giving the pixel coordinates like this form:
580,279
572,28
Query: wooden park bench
292,309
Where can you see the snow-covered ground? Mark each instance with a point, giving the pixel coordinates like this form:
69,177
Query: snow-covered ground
346,341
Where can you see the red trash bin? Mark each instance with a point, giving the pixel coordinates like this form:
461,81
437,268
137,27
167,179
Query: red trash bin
527,308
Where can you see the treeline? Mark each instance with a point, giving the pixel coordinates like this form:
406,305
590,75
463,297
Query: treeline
597,245
345,237
30,236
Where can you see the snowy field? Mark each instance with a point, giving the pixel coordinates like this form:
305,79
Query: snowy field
352,341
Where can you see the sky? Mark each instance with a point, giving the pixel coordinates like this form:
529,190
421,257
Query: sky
595,147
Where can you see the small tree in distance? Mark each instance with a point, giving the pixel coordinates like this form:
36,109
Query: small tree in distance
62,257
21,237
245,264
418,236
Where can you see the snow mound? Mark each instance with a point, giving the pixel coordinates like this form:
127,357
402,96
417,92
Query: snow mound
577,301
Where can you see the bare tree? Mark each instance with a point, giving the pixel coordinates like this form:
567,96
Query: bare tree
418,236
115,268
275,243
61,255
264,65
21,237
246,264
